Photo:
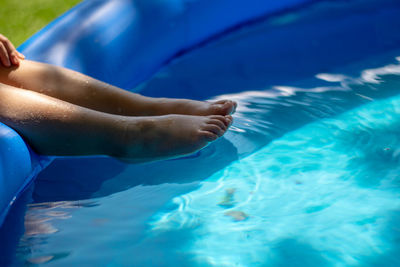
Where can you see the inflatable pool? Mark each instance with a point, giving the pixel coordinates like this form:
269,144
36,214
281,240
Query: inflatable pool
121,42
306,176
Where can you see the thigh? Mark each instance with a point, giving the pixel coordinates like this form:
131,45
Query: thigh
56,127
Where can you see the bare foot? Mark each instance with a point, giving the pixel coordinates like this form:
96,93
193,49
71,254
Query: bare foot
170,136
163,106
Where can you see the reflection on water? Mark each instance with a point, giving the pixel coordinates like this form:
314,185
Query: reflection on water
40,223
39,216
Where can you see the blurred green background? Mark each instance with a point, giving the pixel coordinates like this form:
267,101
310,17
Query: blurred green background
20,19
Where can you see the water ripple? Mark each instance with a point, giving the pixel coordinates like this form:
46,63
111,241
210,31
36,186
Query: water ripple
332,184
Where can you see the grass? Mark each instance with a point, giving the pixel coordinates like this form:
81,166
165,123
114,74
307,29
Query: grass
21,19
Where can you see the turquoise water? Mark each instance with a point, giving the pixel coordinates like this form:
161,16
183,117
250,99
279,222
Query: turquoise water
325,194
329,190
306,176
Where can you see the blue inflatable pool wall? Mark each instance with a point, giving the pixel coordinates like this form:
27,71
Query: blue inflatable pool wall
122,42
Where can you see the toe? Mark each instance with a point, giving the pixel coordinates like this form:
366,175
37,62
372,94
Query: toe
221,124
208,136
234,106
221,118
214,129
229,120
225,107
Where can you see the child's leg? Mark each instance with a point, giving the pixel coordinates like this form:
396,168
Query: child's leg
84,91
56,127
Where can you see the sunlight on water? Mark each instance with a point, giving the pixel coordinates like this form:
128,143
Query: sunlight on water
315,184
331,186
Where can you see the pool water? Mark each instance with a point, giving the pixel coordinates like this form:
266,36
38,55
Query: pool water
306,176
326,192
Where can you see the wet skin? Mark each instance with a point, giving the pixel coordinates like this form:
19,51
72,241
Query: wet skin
63,112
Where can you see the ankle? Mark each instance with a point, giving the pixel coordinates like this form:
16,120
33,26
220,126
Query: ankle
130,137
